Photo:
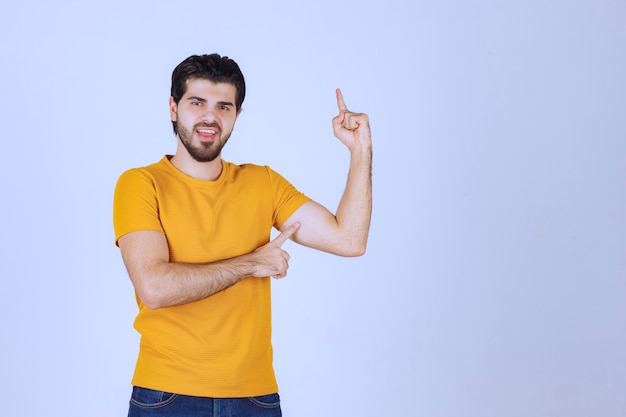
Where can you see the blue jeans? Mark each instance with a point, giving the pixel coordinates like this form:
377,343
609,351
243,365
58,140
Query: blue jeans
150,403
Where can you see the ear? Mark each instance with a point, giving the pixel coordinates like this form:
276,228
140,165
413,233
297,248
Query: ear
173,109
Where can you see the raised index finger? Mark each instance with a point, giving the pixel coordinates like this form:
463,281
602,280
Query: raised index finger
340,103
282,238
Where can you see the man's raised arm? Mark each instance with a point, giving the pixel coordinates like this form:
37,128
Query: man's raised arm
344,233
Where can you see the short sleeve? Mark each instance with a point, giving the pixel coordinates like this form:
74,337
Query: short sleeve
287,199
135,205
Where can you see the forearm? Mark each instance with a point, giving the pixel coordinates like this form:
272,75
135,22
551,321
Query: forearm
355,207
160,283
167,284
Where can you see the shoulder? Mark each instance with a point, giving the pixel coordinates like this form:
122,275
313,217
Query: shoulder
257,176
254,169
249,171
143,173
247,167
140,179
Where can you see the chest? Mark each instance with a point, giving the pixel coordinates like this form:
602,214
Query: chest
203,225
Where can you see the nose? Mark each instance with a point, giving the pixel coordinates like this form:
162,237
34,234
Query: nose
209,115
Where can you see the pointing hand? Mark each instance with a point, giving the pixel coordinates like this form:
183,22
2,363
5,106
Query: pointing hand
271,259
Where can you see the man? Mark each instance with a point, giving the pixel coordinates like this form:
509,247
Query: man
194,233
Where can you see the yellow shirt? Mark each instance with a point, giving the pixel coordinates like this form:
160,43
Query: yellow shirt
219,346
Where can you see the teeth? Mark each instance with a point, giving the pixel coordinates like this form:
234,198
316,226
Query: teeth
210,132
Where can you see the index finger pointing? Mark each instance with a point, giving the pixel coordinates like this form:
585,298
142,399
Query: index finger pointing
340,103
282,238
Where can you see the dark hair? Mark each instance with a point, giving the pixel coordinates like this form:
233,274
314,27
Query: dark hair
213,67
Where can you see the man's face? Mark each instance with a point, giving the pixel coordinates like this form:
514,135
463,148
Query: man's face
205,117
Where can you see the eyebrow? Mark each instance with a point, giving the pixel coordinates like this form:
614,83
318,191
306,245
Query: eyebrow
203,100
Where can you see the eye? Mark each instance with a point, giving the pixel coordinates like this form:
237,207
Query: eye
196,103
224,107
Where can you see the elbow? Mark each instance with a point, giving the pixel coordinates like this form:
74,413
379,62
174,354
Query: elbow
150,301
358,252
150,288
152,304
353,250
354,245
151,298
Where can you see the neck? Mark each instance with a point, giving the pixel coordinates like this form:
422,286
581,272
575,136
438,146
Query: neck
207,171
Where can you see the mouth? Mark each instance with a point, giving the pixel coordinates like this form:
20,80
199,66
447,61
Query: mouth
207,134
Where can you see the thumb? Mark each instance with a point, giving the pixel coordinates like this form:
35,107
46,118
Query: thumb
282,238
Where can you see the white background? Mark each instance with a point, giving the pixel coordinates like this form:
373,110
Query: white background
494,279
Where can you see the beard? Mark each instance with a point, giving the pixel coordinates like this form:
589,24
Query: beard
205,151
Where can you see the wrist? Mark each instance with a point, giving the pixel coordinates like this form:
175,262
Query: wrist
361,152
